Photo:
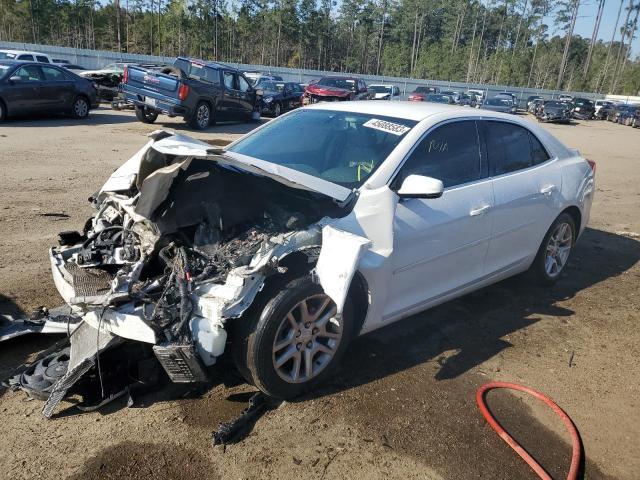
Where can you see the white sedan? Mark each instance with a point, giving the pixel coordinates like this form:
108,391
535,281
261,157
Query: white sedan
326,223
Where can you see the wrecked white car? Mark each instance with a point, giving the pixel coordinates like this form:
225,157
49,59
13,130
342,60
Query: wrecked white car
324,224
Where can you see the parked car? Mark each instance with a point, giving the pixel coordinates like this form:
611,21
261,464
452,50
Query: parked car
598,105
200,92
509,95
32,87
108,78
603,112
564,97
535,105
190,264
467,100
503,104
555,111
617,111
439,98
635,121
25,56
419,94
275,98
626,116
480,95
255,77
332,89
531,98
455,96
583,108
385,92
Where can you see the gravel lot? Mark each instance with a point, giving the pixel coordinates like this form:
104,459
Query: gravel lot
402,405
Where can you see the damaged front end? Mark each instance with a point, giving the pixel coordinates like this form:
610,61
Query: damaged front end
183,240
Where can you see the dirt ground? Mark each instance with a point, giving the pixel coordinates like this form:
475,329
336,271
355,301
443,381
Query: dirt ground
402,405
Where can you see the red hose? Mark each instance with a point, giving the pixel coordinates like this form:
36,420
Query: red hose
575,437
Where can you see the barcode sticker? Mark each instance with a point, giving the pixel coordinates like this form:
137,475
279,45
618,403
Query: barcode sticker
389,127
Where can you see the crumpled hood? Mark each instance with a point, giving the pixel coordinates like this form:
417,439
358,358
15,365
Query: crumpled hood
321,90
140,168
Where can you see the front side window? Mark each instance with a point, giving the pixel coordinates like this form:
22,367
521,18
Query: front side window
341,147
244,85
229,81
27,58
42,59
52,74
450,153
512,147
30,73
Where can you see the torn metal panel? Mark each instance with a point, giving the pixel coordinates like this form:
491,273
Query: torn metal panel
126,322
56,321
338,261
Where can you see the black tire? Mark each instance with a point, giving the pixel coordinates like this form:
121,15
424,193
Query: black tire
538,268
254,341
146,115
3,111
80,107
201,117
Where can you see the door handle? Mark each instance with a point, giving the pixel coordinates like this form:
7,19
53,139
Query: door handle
548,190
479,211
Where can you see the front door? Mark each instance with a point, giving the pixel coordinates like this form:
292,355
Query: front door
23,93
440,244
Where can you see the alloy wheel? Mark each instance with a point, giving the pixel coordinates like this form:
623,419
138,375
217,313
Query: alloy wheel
202,116
307,339
558,249
276,110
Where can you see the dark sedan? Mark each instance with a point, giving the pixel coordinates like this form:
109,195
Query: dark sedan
278,97
555,111
584,109
503,104
29,87
439,98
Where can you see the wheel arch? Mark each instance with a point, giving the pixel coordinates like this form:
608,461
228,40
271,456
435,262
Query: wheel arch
576,214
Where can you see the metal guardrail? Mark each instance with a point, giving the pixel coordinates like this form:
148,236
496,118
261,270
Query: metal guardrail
94,59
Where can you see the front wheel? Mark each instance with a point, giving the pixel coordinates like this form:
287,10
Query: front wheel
277,110
554,252
296,342
146,115
80,108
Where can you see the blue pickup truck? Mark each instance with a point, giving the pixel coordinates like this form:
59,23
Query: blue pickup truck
200,92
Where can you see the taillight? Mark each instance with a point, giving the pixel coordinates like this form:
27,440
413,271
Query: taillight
125,75
592,164
183,91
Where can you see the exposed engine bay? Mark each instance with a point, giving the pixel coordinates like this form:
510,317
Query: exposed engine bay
180,244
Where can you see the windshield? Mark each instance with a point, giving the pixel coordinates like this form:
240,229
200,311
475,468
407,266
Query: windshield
380,88
438,98
4,69
501,102
341,147
346,83
270,86
583,102
554,104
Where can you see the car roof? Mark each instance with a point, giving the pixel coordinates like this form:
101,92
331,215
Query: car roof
416,111
30,52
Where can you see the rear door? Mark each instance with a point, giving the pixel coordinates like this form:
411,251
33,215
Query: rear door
58,90
526,185
440,244
23,94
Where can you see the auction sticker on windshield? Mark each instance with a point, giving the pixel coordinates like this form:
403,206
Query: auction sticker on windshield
389,127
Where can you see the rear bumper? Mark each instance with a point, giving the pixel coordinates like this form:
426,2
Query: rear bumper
157,103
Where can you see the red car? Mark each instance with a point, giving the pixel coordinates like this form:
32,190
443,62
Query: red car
419,94
335,89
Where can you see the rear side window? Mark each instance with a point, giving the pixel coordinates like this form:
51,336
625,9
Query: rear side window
511,147
53,74
42,59
28,58
450,153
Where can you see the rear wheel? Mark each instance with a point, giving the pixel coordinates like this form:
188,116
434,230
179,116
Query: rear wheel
295,343
201,118
145,115
555,250
80,107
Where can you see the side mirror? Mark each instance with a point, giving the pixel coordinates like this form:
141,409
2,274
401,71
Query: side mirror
15,79
419,186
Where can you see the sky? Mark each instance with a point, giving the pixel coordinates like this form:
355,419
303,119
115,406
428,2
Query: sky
587,16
